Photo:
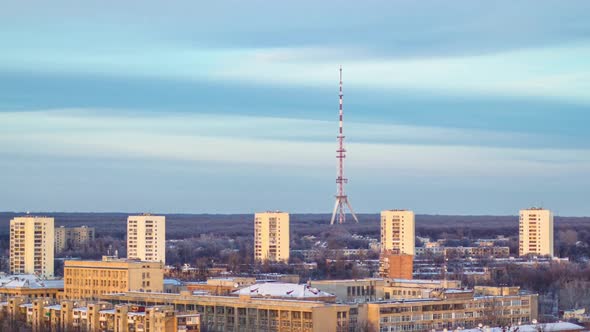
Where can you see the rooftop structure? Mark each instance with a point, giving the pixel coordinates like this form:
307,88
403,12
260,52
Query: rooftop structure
285,291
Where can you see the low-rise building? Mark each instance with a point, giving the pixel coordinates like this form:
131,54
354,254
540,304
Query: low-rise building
91,279
31,286
47,315
452,309
246,313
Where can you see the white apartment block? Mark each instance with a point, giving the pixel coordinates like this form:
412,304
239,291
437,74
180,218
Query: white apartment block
398,231
271,236
31,245
146,238
535,232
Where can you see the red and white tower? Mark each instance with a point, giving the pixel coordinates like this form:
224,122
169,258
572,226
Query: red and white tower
341,198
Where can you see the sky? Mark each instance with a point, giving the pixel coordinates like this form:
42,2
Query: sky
462,107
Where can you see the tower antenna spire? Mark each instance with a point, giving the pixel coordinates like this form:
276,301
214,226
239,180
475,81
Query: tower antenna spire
341,197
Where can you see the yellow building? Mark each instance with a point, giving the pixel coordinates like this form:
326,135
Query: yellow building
451,309
146,238
271,236
378,289
536,232
445,309
74,237
50,315
252,314
31,245
398,266
398,231
90,279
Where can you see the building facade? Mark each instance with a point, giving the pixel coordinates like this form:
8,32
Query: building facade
72,237
398,231
50,315
271,236
30,286
450,310
396,266
536,232
31,245
91,279
146,238
446,309
251,313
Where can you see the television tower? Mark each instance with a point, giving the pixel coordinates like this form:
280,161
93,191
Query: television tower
341,197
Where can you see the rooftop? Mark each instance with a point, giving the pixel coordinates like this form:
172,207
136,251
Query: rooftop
547,327
283,290
29,281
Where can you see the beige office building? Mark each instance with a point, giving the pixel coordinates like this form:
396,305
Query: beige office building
271,236
398,231
91,279
72,237
252,313
146,238
31,245
536,232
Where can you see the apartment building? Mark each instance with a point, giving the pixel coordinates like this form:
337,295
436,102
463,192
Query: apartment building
271,236
72,237
398,231
31,245
91,279
48,315
146,238
536,232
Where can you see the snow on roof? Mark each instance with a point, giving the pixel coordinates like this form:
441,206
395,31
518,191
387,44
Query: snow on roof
278,289
29,281
546,327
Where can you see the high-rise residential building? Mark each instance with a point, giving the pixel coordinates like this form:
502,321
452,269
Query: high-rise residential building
398,231
536,232
146,238
31,245
91,279
271,236
72,237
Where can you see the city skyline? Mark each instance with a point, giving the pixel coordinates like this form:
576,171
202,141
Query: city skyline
461,108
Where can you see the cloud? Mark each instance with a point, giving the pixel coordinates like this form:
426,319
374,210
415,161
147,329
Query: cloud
278,142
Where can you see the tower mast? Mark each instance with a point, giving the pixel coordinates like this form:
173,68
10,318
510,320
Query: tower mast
341,197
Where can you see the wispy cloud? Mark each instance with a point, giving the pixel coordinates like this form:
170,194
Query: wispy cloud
270,142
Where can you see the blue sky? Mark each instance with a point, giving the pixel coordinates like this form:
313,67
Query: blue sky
463,107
